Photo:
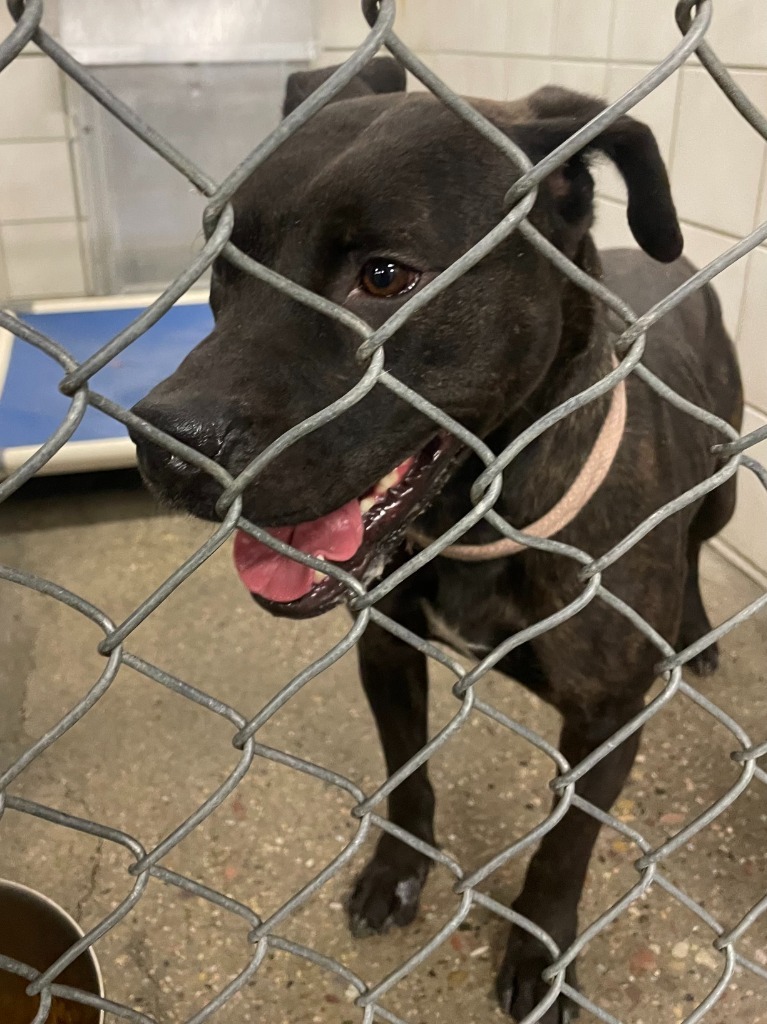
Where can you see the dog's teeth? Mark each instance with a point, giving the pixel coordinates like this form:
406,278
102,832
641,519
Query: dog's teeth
390,480
367,503
319,576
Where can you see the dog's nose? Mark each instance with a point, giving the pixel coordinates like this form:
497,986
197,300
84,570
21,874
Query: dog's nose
199,425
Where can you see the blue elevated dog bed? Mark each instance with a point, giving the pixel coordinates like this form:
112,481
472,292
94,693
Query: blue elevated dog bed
31,406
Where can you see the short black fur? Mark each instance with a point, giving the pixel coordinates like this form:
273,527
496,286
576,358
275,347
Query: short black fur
382,173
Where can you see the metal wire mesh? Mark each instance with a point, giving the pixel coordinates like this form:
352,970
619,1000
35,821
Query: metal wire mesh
694,19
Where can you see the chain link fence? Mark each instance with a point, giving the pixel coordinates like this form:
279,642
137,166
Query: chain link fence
693,19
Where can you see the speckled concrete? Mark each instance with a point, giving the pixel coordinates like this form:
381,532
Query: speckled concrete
144,758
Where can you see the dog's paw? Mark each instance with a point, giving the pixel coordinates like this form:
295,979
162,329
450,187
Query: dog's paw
387,893
520,987
705,663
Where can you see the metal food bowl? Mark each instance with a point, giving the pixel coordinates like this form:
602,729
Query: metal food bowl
36,931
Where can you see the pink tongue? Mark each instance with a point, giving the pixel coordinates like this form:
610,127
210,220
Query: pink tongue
336,536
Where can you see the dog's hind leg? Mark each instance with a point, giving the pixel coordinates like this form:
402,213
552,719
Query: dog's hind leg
714,513
557,870
394,676
695,621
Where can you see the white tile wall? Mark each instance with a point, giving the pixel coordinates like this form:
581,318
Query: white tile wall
643,31
717,157
702,246
475,26
525,75
646,31
7,23
530,27
36,181
471,75
761,213
340,24
49,23
752,338
30,100
745,531
43,259
330,58
739,33
5,291
582,76
39,226
583,29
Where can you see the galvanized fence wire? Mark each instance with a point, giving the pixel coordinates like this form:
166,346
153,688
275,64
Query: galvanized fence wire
693,19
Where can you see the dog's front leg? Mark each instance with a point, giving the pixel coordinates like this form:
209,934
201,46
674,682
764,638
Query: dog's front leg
395,680
557,870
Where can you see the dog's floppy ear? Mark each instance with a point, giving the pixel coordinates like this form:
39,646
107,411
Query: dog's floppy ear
557,114
381,75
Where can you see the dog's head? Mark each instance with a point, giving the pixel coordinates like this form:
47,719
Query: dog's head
366,204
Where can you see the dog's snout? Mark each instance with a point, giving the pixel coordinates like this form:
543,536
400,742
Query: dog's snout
198,425
202,428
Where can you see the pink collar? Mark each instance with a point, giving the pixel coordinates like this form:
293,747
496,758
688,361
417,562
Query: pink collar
581,491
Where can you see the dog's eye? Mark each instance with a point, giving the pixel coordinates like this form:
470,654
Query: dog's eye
384,278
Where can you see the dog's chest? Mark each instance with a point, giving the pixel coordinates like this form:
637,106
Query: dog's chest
471,625
476,628
440,629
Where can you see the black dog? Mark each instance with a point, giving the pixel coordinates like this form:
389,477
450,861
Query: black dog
365,204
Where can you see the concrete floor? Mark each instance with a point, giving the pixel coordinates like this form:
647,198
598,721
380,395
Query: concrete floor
143,758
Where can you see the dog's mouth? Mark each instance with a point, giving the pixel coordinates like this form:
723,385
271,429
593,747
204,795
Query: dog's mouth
356,537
